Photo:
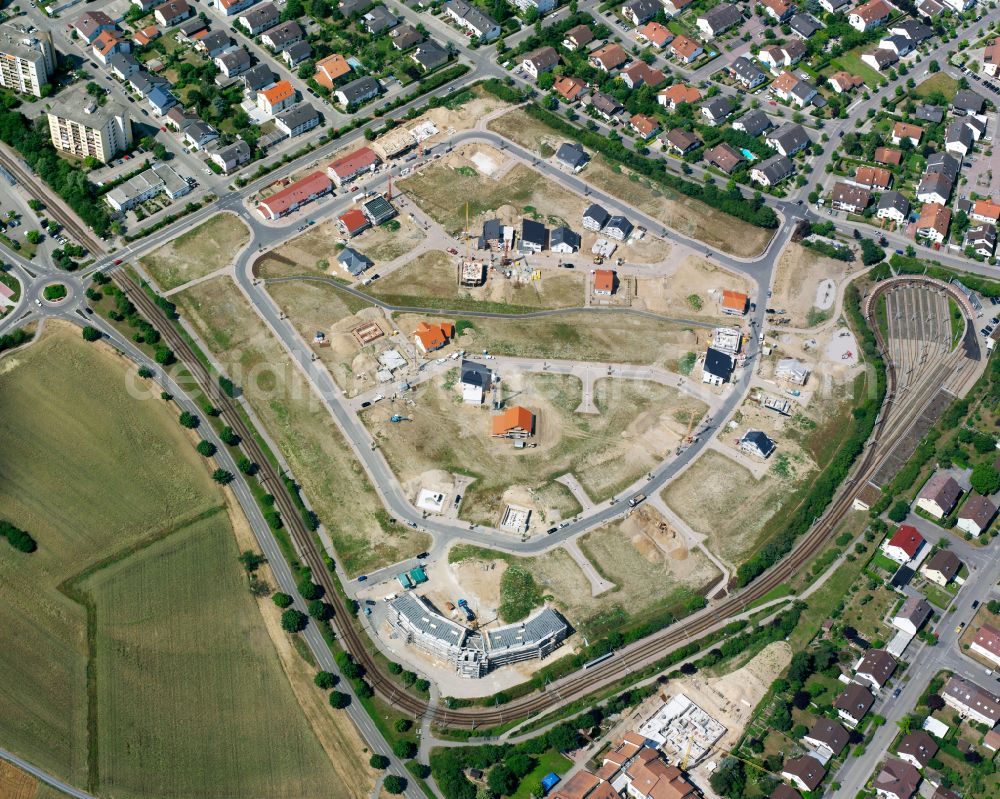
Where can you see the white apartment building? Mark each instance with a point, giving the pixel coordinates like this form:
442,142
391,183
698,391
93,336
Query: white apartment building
81,127
26,61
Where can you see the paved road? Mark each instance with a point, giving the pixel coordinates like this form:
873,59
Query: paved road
44,776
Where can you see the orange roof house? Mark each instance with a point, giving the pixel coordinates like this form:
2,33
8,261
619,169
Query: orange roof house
656,34
734,303
330,69
677,94
684,48
986,210
515,422
904,130
873,177
609,57
887,155
433,337
146,35
353,222
568,88
604,282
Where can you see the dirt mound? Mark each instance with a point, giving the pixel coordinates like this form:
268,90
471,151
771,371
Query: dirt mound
647,548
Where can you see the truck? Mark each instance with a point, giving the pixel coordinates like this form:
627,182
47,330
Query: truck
637,499
469,615
404,580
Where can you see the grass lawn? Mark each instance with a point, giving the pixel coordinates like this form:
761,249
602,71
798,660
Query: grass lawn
176,636
885,563
548,762
939,82
199,252
303,430
937,595
12,283
851,62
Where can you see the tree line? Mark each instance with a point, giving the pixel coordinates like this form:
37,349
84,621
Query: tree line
20,539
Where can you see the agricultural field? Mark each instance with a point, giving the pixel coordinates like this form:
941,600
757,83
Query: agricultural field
430,280
159,571
294,416
16,784
638,424
683,214
604,338
199,252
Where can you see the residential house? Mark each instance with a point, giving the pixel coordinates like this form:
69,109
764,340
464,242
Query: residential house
568,88
889,156
716,110
772,171
792,89
853,703
853,199
430,337
843,82
753,122
123,66
330,69
917,748
564,241
869,15
618,228
899,44
789,139
276,99
779,10
967,102
233,63
804,25
805,772
897,779
92,24
295,53
880,59
674,7
681,142
578,37
757,443
584,785
160,100
214,43
894,206
723,156
540,61
912,615
534,236
515,422
144,6
403,37
430,55
595,218
257,78
359,162
904,544
991,58
942,567
639,73
772,57
650,777
173,11
873,177
718,20
833,6
717,368
352,9
734,303
958,138
746,74
297,120
378,20
655,34
108,44
935,187
930,113
572,155
198,134
685,50
230,8
604,282
353,222
146,36
977,512
932,225
189,30
971,700
784,791
982,238
358,91
793,51
930,9
674,96
475,380
985,211
645,127
639,11
469,17
875,669
829,735
608,58
904,130
259,19
941,493
293,197
231,157
987,643
912,29
353,262
605,105
282,35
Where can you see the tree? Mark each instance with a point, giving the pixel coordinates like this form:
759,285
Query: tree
294,621
35,205
222,477
871,253
32,237
282,600
378,761
985,479
145,372
189,420
521,764
325,680
164,355
251,560
91,333
309,590
206,448
933,66
404,749
502,780
229,438
394,784
935,702
402,725
899,511
247,466
339,700
546,81
729,778
563,738
320,610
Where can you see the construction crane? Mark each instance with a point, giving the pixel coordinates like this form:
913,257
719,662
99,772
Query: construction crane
687,753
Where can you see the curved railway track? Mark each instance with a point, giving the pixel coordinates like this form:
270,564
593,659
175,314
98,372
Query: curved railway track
888,430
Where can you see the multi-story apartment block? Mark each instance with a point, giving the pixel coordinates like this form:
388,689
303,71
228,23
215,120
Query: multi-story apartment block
26,60
81,127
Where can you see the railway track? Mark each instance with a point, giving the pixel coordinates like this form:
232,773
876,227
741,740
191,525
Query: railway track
888,429
54,207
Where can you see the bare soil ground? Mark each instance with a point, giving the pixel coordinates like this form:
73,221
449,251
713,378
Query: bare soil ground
497,186
798,273
693,288
685,215
331,477
611,338
16,784
638,424
199,252
431,279
722,500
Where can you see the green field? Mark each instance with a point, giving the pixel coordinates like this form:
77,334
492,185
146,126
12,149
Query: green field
199,252
851,62
95,476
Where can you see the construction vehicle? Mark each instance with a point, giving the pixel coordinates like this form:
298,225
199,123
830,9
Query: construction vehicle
598,259
469,615
396,418
636,500
794,392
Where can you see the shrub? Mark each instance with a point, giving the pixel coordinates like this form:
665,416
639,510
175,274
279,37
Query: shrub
20,539
899,510
91,333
